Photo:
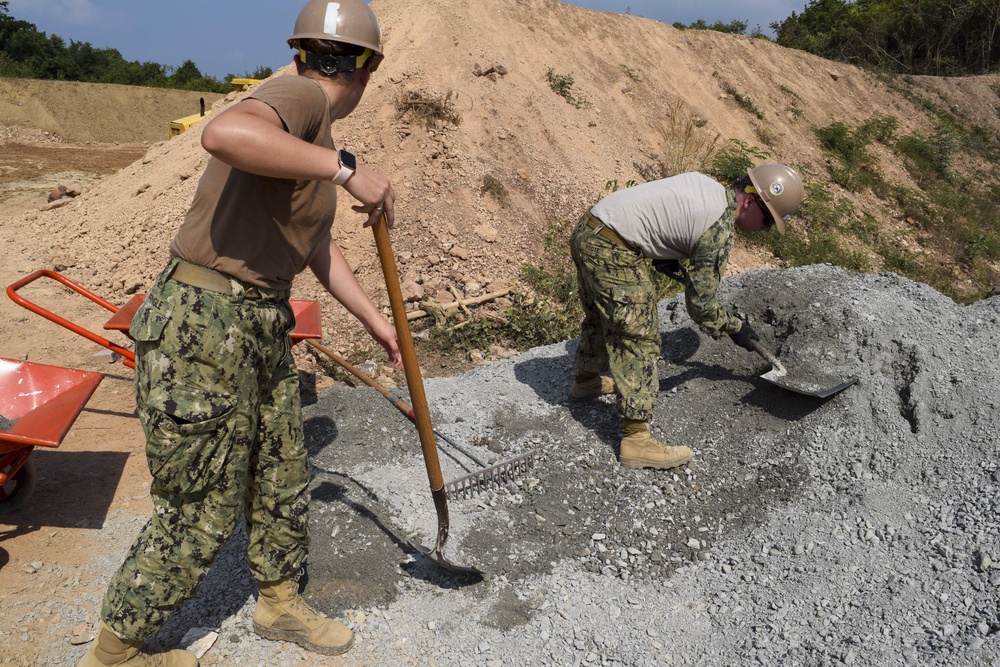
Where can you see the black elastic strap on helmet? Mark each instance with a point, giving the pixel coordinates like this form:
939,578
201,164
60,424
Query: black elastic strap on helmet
330,64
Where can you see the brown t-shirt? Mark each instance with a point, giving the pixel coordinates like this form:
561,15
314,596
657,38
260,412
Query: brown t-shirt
263,230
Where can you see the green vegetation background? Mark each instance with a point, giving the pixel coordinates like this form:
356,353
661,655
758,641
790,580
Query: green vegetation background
26,53
940,37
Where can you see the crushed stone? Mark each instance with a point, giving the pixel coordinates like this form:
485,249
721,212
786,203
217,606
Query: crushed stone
860,529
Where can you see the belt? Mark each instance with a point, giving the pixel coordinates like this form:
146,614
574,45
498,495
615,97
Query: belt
603,230
210,279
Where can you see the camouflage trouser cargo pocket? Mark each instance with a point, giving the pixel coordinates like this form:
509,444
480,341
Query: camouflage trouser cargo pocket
189,423
186,457
631,312
148,322
633,348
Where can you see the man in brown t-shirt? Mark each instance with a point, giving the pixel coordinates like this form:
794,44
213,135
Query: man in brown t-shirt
216,386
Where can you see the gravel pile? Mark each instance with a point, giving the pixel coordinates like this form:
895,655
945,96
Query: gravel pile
861,529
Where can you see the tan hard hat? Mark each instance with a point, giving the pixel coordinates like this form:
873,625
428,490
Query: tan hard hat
347,21
780,188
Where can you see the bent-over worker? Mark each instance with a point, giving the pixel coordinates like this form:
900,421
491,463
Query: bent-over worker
217,390
688,217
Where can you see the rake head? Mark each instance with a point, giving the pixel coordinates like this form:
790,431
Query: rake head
494,477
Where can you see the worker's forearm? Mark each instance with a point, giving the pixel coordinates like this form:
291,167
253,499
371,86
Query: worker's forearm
253,144
335,274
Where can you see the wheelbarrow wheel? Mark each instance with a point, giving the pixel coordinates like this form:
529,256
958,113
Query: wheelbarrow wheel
18,488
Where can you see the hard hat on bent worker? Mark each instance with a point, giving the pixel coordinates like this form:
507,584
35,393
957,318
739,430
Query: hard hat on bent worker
347,21
780,188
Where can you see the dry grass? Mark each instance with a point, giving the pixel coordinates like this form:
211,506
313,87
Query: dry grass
432,110
684,145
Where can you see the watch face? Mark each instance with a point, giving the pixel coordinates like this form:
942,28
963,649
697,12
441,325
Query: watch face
347,160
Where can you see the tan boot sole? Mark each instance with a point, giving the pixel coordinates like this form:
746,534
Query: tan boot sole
296,638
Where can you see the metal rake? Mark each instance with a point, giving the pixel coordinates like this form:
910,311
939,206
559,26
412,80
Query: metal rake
495,477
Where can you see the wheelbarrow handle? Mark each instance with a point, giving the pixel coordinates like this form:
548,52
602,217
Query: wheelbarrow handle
128,356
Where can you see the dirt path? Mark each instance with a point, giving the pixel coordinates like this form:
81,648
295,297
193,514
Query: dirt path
29,170
99,468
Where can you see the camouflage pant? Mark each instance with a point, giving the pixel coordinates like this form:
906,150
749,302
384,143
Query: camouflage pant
218,398
620,329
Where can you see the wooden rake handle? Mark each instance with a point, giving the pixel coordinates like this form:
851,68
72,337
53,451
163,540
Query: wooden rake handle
411,369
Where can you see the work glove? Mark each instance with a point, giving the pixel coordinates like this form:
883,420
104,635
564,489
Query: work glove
744,336
671,268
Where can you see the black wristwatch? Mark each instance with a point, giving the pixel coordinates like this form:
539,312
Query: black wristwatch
347,166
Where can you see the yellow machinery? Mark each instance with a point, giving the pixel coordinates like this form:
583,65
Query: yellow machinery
182,125
241,84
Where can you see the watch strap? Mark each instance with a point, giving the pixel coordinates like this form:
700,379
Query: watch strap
347,167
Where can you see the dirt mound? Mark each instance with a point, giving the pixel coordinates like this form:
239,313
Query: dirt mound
96,112
547,157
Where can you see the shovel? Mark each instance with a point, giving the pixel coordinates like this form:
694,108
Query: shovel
421,414
819,385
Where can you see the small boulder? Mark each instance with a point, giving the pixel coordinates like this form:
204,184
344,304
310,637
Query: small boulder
57,192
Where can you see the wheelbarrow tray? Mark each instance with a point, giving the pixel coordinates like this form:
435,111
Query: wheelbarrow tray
42,402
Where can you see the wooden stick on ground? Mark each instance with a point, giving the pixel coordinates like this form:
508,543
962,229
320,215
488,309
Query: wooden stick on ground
416,314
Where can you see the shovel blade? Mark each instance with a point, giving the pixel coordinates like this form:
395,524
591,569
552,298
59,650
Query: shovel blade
818,387
817,384
436,555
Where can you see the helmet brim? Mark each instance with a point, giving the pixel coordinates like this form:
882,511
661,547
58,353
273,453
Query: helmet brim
779,222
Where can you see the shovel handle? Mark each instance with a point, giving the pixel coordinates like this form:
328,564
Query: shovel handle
768,357
411,369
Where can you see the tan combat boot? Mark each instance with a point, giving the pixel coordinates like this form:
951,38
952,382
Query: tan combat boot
598,385
282,615
640,450
108,650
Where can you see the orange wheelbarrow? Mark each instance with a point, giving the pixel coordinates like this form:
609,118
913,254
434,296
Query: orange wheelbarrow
38,404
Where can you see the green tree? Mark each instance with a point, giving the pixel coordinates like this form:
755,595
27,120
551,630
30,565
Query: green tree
27,52
732,28
905,36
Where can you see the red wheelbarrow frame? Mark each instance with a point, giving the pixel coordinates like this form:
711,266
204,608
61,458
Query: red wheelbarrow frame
127,355
307,314
15,448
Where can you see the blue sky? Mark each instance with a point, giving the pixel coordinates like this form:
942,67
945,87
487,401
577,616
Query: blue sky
225,37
